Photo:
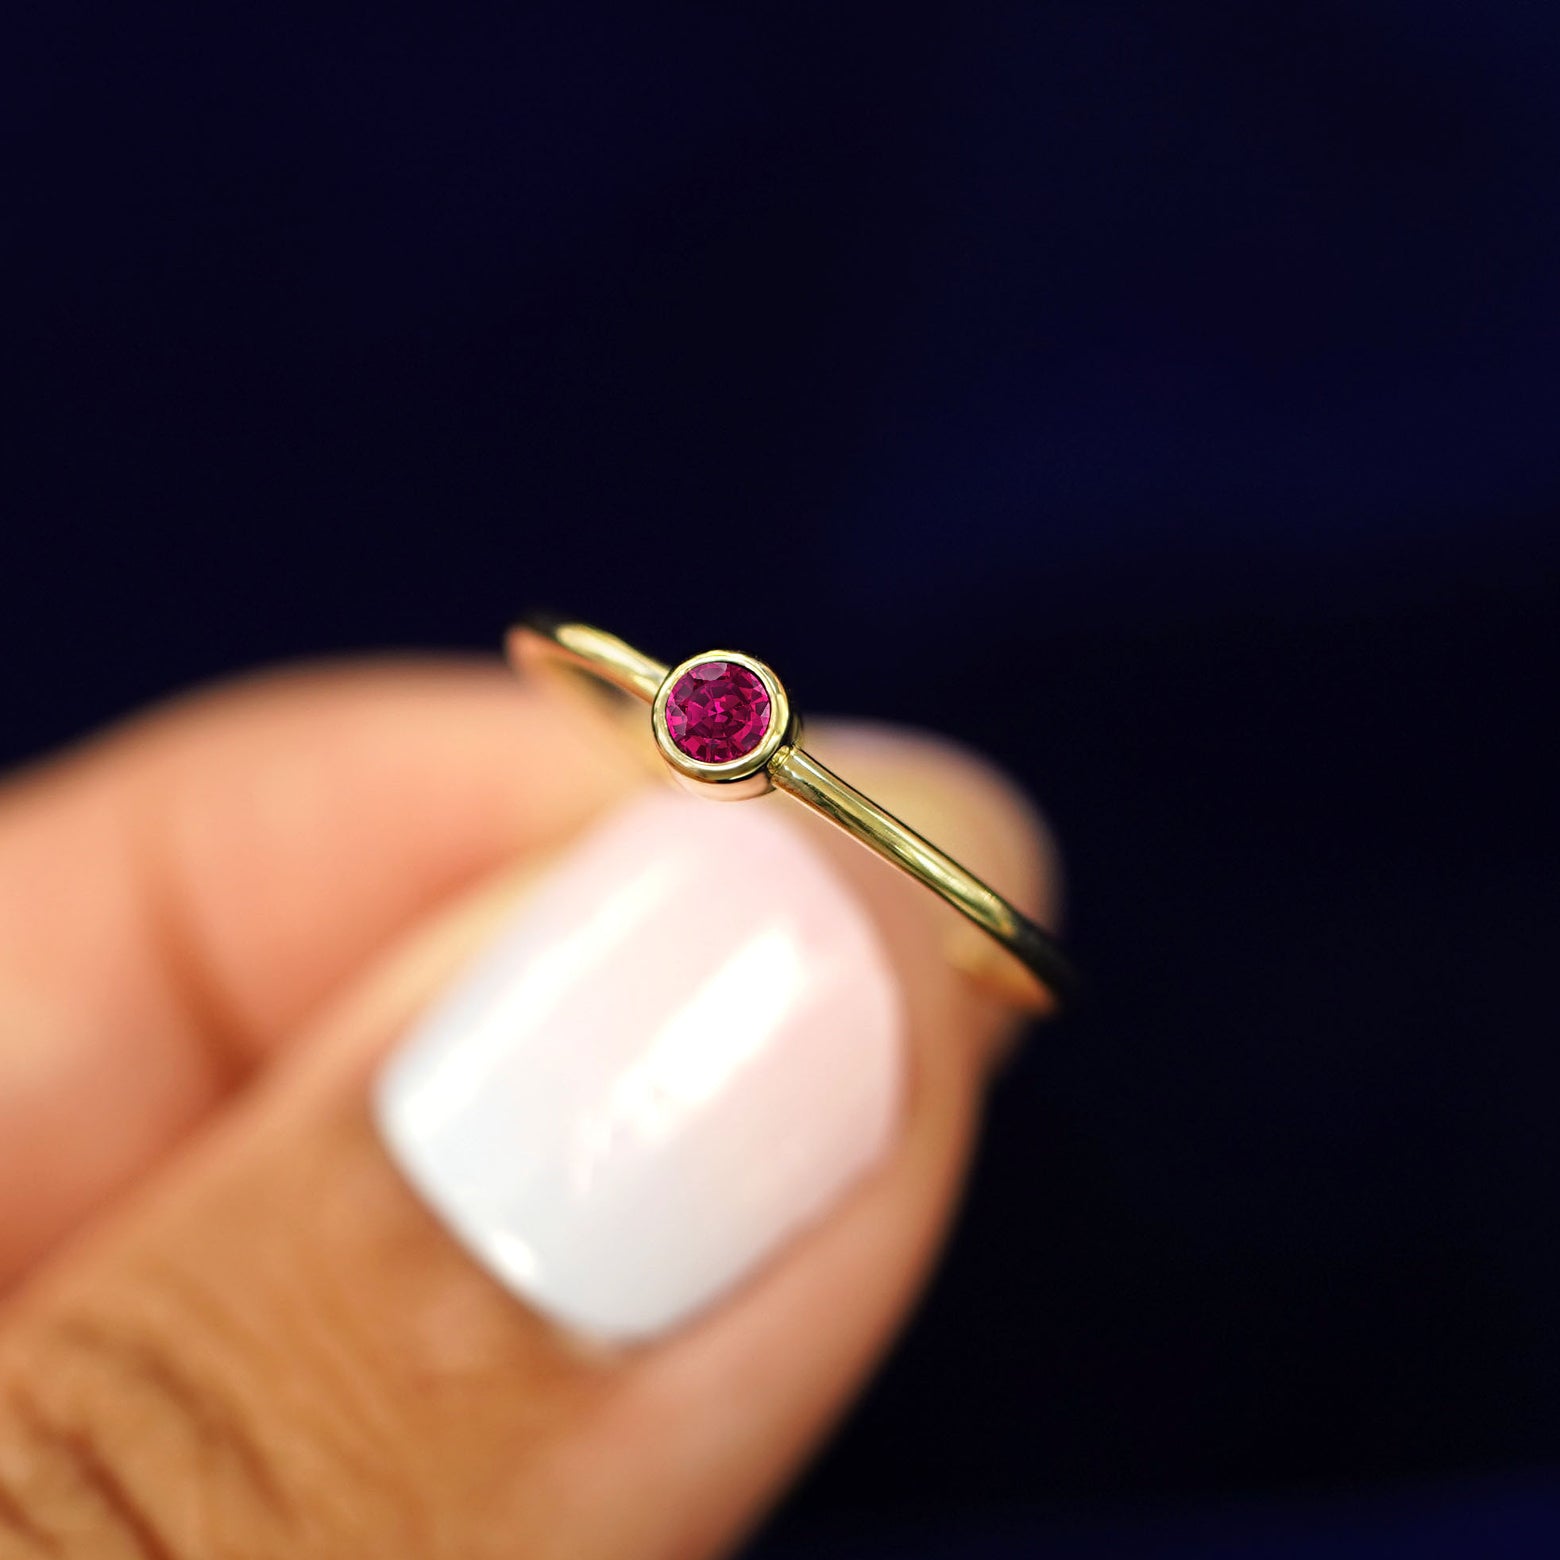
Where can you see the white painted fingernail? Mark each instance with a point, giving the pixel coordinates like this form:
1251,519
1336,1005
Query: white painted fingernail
682,1049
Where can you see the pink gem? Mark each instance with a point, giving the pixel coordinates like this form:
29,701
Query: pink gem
717,711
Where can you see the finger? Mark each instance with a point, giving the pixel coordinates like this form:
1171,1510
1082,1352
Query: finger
176,898
613,1332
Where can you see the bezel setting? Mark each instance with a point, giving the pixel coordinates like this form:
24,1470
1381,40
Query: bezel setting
735,778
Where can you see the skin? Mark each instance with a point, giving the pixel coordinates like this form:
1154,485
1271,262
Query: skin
227,1328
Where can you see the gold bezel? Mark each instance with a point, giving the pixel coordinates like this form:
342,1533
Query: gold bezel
736,777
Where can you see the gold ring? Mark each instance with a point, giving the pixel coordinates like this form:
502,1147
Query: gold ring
724,726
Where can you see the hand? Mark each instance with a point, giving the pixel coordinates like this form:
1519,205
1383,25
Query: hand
231,1328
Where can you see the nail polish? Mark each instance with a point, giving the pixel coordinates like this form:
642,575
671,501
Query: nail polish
684,1046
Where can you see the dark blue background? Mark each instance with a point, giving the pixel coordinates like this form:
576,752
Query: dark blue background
1199,361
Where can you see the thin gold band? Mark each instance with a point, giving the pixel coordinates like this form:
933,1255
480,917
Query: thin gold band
1031,968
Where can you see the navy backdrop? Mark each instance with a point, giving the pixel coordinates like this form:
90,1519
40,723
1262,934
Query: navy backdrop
1203,362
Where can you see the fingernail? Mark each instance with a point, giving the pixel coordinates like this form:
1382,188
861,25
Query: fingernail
679,1052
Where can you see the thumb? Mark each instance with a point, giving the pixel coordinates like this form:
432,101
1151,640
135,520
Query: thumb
569,1230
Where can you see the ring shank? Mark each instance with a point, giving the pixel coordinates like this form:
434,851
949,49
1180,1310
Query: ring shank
800,775
539,639
1029,968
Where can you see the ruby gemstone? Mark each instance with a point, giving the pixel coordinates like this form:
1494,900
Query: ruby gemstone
717,711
